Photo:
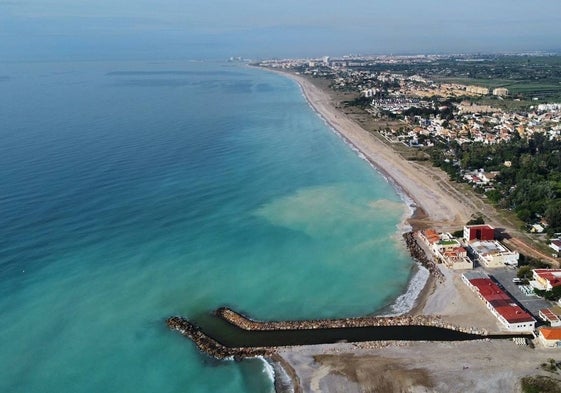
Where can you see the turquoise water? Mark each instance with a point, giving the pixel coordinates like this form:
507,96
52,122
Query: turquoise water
135,191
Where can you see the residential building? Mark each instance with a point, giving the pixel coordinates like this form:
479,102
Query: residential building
549,316
556,246
500,92
550,337
546,279
477,90
446,249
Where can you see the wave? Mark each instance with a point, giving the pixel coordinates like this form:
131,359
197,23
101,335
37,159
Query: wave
268,369
405,302
279,377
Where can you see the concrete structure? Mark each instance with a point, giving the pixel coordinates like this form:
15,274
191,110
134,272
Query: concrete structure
492,254
550,337
546,279
499,303
500,92
479,232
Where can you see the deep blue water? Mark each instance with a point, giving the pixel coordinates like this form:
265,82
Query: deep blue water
134,191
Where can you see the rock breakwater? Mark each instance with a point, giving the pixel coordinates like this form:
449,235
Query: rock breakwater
243,322
419,254
212,347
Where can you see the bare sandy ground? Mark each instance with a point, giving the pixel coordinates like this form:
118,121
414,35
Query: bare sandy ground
473,366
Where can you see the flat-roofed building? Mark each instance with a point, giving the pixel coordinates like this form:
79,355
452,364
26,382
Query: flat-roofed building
500,92
477,90
479,232
501,305
492,254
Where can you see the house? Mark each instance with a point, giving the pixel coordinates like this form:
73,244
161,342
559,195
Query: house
549,316
499,303
447,249
456,258
546,279
556,246
550,337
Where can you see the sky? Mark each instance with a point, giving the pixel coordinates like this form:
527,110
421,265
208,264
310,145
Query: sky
215,29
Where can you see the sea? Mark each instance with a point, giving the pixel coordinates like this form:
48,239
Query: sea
134,191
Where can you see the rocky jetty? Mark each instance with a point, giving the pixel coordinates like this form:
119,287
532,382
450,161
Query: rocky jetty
420,255
212,347
246,323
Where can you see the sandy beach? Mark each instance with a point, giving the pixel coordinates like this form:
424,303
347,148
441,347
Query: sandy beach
480,366
442,208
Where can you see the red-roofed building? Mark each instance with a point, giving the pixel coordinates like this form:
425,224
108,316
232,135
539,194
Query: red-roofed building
556,246
546,279
549,316
503,307
479,232
550,336
446,249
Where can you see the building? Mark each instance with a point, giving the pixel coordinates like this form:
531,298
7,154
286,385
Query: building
446,249
556,246
500,92
456,258
477,90
549,316
479,232
492,254
550,337
546,279
499,303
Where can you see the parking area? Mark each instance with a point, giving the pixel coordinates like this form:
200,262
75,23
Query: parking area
531,303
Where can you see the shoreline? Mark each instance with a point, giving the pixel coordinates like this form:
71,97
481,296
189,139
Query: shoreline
419,194
427,204
418,212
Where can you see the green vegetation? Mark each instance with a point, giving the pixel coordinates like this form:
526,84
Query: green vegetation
553,295
530,186
540,384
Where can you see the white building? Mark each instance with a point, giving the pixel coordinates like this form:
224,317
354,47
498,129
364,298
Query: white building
492,254
499,303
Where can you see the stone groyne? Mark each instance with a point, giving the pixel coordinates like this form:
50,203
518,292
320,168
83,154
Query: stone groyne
243,322
420,255
212,347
